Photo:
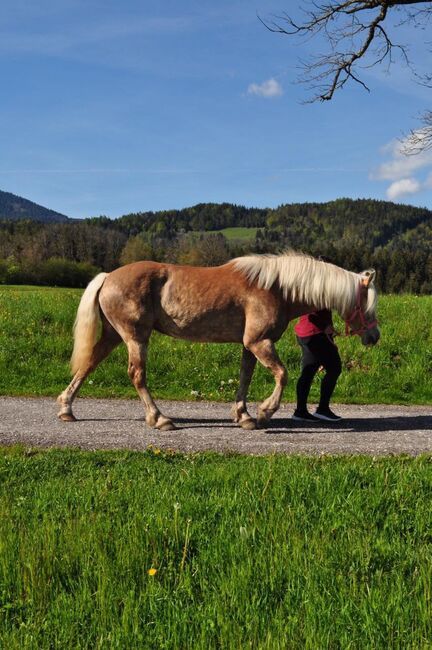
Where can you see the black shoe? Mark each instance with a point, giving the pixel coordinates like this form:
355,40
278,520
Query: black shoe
327,414
304,416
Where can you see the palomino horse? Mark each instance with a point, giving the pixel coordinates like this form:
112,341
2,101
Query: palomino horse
249,300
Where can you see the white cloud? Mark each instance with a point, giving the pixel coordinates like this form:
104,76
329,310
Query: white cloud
401,165
269,89
403,171
402,187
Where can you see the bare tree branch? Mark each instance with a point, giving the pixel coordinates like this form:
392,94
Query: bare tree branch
420,139
357,33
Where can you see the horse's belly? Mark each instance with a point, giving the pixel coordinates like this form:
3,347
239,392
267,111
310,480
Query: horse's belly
214,326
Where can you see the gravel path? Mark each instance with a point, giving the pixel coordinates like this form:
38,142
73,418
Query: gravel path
118,424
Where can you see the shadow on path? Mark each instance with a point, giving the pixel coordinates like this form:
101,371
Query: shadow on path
287,425
358,425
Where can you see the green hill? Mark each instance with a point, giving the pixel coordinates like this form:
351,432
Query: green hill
299,225
355,234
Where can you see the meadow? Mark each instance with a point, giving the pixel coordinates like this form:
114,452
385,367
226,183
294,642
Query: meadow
115,550
36,343
235,233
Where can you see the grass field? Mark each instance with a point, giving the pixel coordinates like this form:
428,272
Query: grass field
36,342
236,233
127,550
120,550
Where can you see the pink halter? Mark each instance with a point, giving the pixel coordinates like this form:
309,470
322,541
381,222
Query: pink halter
358,312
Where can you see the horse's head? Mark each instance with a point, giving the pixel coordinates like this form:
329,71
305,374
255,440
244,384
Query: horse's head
362,319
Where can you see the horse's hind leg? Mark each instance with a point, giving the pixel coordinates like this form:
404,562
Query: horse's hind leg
240,412
266,353
107,342
137,372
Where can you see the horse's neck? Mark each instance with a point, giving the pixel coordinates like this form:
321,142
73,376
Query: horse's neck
297,309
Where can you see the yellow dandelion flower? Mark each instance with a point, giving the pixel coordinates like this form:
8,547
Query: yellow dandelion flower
152,571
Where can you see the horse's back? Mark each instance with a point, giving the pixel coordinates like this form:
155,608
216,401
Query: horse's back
196,303
212,281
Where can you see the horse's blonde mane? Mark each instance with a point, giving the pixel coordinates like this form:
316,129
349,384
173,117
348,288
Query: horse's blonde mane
304,279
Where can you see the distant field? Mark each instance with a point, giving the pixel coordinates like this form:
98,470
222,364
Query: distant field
233,233
36,342
117,550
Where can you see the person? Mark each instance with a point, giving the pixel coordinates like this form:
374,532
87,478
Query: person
315,335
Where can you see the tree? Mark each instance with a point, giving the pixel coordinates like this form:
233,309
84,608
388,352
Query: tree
135,250
206,250
358,32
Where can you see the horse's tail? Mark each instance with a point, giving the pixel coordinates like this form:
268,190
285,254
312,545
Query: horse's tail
86,324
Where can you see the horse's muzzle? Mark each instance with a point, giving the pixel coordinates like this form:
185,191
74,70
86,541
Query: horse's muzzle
371,336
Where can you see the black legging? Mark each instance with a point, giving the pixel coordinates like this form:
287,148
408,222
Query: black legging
318,350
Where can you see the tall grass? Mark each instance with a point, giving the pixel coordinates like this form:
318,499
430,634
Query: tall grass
275,553
36,342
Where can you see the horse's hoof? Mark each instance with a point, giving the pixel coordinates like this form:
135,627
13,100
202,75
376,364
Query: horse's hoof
263,419
165,424
168,426
249,424
67,417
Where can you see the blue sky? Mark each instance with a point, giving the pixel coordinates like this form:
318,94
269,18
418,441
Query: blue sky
112,107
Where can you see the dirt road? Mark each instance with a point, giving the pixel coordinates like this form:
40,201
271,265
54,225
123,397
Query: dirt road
119,424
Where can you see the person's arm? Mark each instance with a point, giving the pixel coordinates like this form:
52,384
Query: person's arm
322,319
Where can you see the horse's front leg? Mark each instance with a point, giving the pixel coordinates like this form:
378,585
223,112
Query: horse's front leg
240,412
266,354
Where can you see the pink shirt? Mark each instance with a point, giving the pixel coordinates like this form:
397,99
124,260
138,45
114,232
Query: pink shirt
305,328
315,323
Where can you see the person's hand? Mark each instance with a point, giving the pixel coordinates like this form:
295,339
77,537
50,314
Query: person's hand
330,331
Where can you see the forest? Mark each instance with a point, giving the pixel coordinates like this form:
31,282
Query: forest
356,234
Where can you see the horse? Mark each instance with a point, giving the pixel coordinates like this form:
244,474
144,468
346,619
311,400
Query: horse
249,300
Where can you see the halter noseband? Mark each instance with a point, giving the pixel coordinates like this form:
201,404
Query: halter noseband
358,312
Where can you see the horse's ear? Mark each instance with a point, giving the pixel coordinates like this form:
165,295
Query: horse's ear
368,277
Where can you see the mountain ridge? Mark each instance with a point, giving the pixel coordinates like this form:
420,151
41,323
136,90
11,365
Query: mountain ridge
16,208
